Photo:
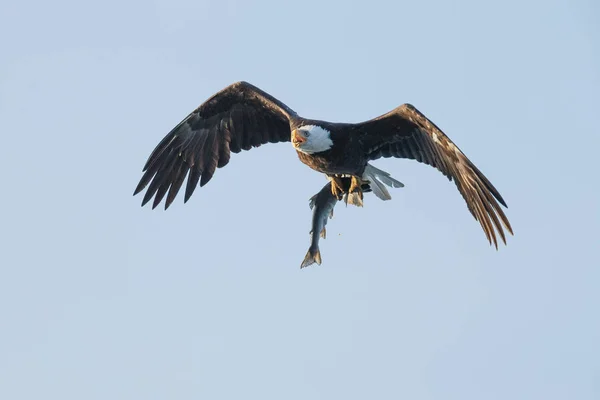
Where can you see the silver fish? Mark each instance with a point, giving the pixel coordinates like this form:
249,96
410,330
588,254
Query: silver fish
322,205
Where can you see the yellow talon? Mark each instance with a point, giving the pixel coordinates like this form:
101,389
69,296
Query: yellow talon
355,193
336,187
356,186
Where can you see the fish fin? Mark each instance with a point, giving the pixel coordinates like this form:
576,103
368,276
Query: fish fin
312,256
323,233
311,201
354,199
318,257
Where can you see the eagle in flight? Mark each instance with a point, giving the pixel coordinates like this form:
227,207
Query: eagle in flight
242,116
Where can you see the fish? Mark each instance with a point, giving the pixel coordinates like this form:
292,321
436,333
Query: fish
322,205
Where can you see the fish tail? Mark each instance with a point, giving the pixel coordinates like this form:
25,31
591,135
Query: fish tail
312,256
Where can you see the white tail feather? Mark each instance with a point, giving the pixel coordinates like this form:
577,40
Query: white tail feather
377,179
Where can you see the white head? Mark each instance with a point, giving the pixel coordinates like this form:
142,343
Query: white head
311,139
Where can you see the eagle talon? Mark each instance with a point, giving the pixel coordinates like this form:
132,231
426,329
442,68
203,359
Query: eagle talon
336,187
355,193
356,186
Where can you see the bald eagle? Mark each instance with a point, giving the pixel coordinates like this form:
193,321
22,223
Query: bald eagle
242,116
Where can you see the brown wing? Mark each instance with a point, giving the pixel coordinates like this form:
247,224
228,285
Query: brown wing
407,133
239,117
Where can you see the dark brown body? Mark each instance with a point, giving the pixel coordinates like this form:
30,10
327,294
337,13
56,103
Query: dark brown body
346,156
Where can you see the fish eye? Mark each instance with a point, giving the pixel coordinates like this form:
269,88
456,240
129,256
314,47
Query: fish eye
306,133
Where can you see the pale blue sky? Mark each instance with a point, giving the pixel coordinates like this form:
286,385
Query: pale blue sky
103,299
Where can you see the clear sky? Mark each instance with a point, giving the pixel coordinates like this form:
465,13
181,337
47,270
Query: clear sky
103,299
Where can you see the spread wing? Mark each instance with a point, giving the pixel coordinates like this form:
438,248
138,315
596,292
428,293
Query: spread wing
239,117
407,133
